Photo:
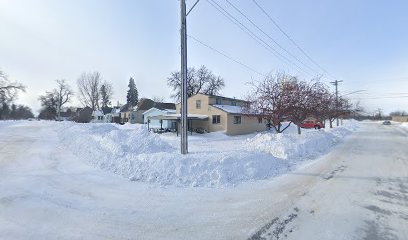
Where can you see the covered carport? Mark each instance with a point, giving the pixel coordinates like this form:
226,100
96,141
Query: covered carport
177,118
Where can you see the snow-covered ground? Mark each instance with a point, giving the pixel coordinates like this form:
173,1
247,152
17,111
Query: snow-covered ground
356,190
215,160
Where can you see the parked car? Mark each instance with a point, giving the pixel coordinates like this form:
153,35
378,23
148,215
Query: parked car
312,124
386,122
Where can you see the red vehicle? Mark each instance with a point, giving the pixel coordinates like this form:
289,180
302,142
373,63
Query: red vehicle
310,123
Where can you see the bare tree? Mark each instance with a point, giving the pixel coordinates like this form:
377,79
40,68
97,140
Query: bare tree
271,99
8,93
49,102
397,113
335,108
9,89
63,93
158,99
89,89
198,81
106,92
301,98
214,85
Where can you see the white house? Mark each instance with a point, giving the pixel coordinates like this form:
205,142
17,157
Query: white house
98,117
153,123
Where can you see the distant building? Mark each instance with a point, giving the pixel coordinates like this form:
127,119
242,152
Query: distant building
136,115
400,118
84,115
67,115
98,116
125,113
156,123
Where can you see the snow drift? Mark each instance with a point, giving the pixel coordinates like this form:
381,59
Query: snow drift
214,160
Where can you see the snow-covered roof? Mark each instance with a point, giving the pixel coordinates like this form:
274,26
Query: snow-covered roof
164,111
178,116
170,110
234,109
230,109
97,113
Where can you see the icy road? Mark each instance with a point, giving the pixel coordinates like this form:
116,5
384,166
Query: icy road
357,191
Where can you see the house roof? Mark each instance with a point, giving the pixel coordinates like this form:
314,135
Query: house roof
125,108
227,98
161,110
106,110
86,109
234,109
146,104
165,106
230,109
178,117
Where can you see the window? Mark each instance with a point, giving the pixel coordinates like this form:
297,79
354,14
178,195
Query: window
216,119
259,120
198,104
218,101
237,119
233,103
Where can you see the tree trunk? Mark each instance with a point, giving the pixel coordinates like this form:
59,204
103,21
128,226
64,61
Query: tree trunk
299,130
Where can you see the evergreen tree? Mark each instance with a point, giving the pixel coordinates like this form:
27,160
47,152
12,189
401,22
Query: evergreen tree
106,93
132,94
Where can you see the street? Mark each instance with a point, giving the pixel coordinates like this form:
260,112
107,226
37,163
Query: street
357,191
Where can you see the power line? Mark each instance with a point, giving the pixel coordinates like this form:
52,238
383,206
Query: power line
259,40
383,97
269,36
225,55
291,40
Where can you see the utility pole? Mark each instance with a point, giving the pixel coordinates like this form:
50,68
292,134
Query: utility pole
336,83
183,109
183,35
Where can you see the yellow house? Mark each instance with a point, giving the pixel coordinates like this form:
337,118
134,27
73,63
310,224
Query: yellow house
224,114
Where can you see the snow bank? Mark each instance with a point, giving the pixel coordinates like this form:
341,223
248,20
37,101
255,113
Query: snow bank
290,145
214,160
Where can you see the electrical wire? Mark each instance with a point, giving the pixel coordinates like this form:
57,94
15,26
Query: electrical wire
225,55
269,36
259,40
291,40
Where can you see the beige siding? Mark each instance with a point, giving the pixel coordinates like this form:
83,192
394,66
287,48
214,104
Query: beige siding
222,126
207,110
124,117
400,118
248,124
191,104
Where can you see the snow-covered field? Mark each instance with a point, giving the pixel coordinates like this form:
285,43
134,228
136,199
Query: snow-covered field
215,160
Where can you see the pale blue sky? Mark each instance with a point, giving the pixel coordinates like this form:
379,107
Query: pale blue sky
363,43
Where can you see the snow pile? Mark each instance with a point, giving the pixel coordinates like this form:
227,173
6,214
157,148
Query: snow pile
214,159
290,145
109,147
